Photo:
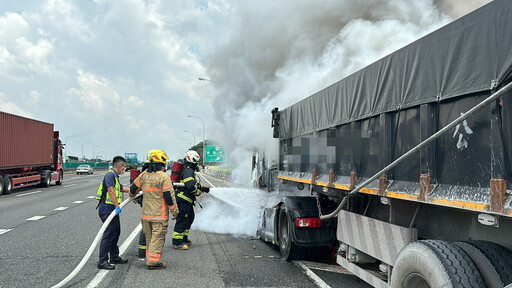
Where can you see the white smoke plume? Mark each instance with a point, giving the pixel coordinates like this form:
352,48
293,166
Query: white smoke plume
234,211
275,57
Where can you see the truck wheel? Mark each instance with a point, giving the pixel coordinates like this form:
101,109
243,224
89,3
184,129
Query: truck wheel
1,185
59,182
493,260
7,184
47,179
434,263
289,251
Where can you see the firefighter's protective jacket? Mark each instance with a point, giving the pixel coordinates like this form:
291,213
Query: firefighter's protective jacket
153,185
188,178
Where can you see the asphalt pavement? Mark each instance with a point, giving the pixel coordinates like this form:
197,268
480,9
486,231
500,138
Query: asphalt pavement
45,232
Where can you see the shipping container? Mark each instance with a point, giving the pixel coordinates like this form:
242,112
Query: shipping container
24,142
30,153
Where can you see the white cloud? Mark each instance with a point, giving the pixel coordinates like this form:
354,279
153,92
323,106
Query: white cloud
33,98
12,25
12,108
94,90
34,55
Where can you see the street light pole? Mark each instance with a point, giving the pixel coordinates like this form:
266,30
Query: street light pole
193,135
94,149
83,156
204,144
66,147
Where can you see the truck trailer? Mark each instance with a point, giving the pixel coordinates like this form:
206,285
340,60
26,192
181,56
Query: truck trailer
407,163
30,153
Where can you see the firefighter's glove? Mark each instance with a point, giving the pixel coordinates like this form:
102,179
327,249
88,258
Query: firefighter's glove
174,211
205,189
118,210
138,200
198,190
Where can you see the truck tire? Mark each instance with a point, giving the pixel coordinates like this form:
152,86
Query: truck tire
493,260
288,249
47,179
434,263
7,184
61,177
1,185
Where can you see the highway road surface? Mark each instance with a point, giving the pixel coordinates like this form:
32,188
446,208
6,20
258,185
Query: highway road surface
45,232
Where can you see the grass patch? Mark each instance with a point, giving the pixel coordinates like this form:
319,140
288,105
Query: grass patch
220,169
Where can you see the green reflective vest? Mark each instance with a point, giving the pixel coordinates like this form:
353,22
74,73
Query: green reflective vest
117,188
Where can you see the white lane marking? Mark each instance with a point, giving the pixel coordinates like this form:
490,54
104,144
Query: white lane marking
92,180
211,185
60,208
90,197
69,185
78,202
28,193
326,267
35,218
312,275
102,273
2,231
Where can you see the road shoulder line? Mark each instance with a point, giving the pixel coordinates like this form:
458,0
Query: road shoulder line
102,273
312,275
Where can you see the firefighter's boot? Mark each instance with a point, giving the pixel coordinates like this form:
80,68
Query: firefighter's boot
187,242
160,265
180,247
141,253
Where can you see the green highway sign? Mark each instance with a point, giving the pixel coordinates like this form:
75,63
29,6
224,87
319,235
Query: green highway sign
214,154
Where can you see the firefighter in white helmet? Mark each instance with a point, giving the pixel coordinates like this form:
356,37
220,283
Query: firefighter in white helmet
158,200
186,196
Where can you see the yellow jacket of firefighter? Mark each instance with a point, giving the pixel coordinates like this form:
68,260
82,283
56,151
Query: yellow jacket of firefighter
153,184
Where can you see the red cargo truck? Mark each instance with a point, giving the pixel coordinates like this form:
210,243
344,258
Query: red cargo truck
30,153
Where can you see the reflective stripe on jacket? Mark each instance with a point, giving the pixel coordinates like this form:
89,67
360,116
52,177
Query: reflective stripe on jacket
153,184
182,196
188,178
117,189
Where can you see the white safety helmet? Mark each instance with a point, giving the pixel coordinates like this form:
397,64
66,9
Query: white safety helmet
192,156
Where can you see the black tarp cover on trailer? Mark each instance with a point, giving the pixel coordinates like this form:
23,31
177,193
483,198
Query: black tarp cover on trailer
469,55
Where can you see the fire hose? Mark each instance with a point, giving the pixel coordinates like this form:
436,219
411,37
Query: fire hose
97,240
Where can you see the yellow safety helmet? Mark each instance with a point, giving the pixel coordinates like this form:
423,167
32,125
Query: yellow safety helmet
148,156
157,156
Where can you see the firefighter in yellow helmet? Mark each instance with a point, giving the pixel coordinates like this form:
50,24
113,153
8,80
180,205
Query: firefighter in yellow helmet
142,237
158,200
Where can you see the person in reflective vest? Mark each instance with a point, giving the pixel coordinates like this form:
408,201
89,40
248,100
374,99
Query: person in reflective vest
186,196
109,196
158,200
